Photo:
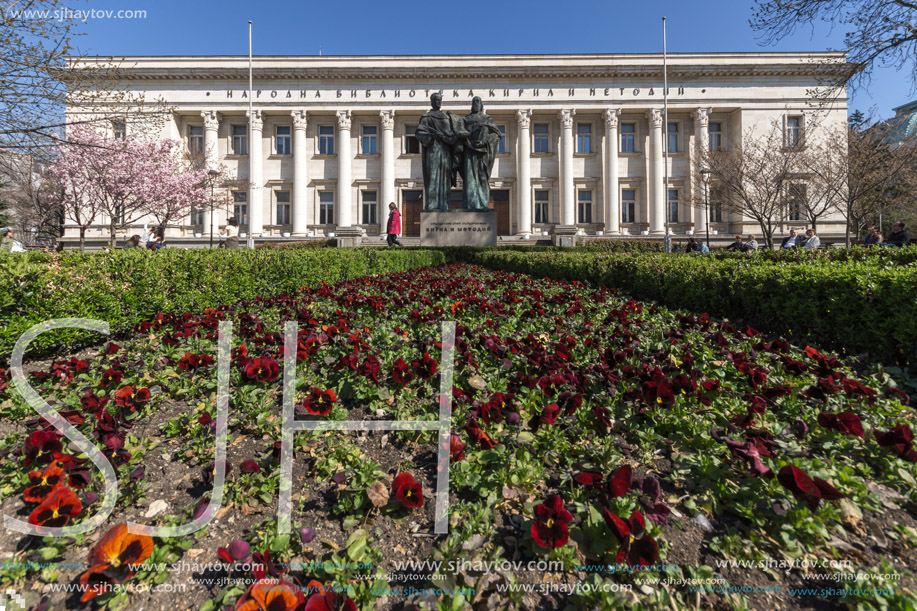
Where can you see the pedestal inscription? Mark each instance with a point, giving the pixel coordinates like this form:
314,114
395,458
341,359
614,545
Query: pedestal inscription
458,228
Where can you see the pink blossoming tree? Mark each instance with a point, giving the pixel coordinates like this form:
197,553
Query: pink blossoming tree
123,180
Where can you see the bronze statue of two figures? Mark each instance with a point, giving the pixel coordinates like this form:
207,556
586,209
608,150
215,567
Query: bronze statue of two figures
454,145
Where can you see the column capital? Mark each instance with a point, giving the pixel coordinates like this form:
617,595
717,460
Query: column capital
611,117
300,119
566,117
211,119
388,118
655,117
702,116
257,120
343,119
524,117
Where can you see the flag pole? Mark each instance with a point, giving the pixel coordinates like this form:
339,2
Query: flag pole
667,241
251,122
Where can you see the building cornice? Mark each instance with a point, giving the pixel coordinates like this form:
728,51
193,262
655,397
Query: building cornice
684,66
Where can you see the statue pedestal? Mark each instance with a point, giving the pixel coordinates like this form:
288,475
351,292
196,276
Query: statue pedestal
564,235
458,228
348,237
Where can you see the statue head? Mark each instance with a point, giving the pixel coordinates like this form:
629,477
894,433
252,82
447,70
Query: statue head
477,104
436,100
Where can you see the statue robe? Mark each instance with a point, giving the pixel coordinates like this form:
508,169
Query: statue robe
479,153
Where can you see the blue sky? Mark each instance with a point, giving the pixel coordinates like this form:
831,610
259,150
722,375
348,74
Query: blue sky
406,27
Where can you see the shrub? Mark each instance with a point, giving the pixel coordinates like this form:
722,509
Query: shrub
857,306
126,286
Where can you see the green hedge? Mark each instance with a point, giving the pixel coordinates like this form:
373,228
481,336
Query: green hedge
892,255
126,286
856,307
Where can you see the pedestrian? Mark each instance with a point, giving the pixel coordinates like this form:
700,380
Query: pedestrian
393,228
6,241
737,245
898,236
230,233
812,241
791,240
751,244
873,238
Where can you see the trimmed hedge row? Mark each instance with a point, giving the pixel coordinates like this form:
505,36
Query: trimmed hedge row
126,286
876,254
852,306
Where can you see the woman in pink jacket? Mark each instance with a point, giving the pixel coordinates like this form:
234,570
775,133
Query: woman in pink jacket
394,225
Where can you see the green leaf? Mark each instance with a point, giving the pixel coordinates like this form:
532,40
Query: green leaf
356,545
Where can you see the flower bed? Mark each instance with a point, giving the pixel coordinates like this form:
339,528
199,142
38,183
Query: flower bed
588,430
867,306
127,286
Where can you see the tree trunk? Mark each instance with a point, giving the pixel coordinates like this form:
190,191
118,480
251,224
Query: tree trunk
113,231
82,239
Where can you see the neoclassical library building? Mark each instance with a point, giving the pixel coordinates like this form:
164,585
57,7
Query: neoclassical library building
585,139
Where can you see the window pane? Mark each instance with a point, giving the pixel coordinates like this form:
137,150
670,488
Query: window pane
501,146
540,128
369,207
283,130
283,197
411,143
326,196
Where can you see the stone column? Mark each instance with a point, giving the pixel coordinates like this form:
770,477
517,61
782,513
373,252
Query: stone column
388,164
300,174
701,123
567,191
612,205
657,188
523,172
211,129
255,176
345,175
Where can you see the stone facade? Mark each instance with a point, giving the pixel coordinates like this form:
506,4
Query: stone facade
584,134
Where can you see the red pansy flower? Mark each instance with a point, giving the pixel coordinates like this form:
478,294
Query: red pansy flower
805,488
637,549
456,448
319,402
407,490
58,509
249,466
327,599
550,529
847,423
111,377
271,595
402,373
43,483
113,559
40,447
262,369
900,439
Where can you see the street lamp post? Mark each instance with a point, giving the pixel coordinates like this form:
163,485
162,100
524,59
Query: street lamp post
705,173
212,174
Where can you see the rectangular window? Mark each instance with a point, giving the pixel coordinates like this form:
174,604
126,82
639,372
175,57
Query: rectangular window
716,205
368,141
197,217
119,129
628,135
672,134
369,208
584,137
540,138
240,207
326,207
501,146
411,143
240,140
796,203
673,205
119,214
584,201
282,142
715,137
283,207
793,132
196,139
628,205
326,140
541,206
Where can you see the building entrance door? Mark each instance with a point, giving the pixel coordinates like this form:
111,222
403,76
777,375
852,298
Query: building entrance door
411,206
499,202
